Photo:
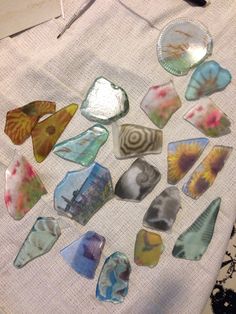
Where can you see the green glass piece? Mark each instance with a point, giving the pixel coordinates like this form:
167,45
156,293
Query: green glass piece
83,148
193,243
105,102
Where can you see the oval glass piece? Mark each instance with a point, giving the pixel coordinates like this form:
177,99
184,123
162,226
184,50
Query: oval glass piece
182,45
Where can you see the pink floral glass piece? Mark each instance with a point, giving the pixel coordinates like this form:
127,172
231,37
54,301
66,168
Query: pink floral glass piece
160,103
23,187
208,118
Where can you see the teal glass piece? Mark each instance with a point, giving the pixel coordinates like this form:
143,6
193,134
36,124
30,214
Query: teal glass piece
113,282
193,243
83,148
208,78
105,102
83,192
84,254
39,241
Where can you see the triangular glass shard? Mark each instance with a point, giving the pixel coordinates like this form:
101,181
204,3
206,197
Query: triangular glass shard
163,210
182,155
205,174
113,282
23,187
193,243
148,248
131,140
83,148
207,79
138,181
39,241
83,192
160,103
21,121
84,254
182,45
46,133
208,118
105,102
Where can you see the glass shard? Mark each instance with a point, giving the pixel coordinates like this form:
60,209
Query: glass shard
105,102
83,148
182,45
23,187
205,174
113,282
131,140
83,192
83,255
148,248
208,78
193,243
46,133
163,210
39,241
182,155
160,103
138,181
208,118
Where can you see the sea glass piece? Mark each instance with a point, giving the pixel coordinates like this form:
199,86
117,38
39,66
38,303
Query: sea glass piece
21,121
205,174
105,102
160,103
182,45
208,78
46,133
182,155
83,192
193,243
131,140
39,241
23,187
83,255
83,148
208,118
148,248
163,210
138,181
113,282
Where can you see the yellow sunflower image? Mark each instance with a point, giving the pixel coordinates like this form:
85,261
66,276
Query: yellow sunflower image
182,156
199,183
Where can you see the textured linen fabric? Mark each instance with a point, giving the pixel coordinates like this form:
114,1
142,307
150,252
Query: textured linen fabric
117,41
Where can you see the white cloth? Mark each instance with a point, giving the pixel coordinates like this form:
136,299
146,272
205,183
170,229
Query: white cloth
111,41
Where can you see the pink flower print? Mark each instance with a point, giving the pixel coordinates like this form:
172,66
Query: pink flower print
29,171
190,115
7,198
199,108
213,119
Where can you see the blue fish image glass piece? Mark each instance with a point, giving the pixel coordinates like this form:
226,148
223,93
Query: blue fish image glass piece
113,282
208,78
84,254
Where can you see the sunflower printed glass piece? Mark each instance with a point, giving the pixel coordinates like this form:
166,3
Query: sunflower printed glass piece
163,210
193,243
83,148
105,102
205,174
46,133
83,255
182,45
182,155
148,248
138,181
208,118
41,238
160,103
23,187
21,121
83,192
113,282
131,140
208,78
